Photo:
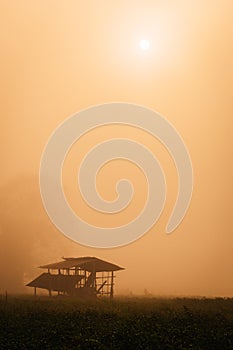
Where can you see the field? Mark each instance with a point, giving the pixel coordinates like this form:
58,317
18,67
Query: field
124,323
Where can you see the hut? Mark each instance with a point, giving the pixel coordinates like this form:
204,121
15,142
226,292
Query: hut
84,277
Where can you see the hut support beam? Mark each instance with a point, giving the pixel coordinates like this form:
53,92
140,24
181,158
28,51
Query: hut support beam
112,282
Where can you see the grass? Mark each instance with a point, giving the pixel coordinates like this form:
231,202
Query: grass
124,323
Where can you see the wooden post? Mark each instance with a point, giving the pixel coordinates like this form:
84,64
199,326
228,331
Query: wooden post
34,291
49,285
112,283
94,281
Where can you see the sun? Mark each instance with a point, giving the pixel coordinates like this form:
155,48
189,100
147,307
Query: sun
144,44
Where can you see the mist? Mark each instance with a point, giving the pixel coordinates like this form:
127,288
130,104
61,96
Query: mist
57,59
27,239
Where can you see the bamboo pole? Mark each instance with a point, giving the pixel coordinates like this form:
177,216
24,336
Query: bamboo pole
111,289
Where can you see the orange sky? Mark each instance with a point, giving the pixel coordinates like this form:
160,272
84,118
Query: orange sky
58,57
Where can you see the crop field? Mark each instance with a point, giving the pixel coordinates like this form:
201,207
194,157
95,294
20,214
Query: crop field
123,323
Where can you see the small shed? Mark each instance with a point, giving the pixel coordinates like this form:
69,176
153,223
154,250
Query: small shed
85,277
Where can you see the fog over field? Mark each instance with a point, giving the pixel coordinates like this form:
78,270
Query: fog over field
58,58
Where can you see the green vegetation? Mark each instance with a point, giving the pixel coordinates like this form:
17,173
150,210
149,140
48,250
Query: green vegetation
124,323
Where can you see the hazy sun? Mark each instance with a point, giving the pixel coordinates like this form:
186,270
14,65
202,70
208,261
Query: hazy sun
144,44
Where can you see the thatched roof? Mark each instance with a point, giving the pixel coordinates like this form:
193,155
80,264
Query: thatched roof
86,263
59,283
